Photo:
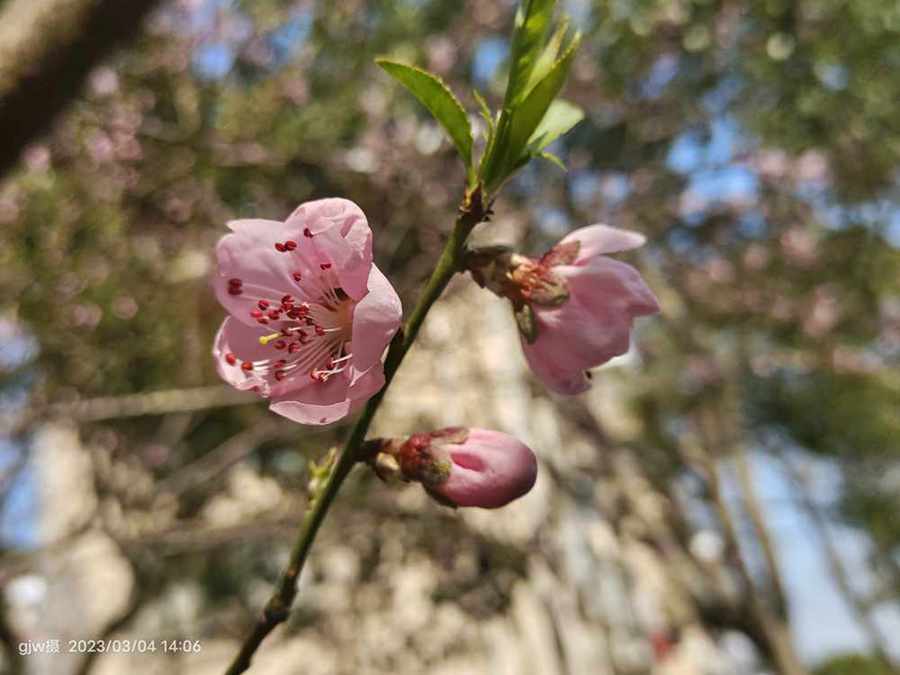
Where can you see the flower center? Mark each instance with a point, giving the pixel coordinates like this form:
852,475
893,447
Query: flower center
307,338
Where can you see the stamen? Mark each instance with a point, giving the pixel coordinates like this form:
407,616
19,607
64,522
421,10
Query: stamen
266,339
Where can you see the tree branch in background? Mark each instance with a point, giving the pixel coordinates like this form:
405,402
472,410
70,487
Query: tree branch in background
770,623
47,49
129,405
836,566
763,536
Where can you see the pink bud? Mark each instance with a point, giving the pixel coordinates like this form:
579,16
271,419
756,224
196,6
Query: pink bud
468,467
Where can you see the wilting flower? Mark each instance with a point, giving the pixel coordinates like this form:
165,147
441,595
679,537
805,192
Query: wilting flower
574,306
311,315
463,467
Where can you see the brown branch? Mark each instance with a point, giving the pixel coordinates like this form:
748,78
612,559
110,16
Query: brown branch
47,49
836,566
129,405
763,536
771,625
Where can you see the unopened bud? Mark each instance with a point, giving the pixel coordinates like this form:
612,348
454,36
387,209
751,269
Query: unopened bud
459,466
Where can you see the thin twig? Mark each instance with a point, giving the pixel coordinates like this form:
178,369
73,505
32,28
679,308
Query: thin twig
472,211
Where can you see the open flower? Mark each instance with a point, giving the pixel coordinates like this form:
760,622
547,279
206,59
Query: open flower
463,467
310,314
574,306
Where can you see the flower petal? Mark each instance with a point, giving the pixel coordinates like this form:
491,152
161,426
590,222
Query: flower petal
321,403
324,214
243,342
375,320
591,327
604,283
600,239
249,254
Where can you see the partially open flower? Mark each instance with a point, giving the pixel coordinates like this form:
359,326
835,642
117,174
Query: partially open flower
574,306
311,315
463,467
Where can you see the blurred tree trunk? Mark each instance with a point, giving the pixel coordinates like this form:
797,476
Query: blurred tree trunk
47,48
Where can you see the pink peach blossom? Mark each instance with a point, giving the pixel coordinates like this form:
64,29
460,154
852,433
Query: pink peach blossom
576,306
468,467
310,314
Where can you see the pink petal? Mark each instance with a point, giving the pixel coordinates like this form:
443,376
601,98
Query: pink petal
592,327
249,255
323,214
489,470
600,239
375,320
604,283
321,403
350,265
243,342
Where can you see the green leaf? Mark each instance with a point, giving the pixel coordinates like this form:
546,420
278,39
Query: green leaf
560,117
548,57
523,120
485,112
553,159
440,101
532,24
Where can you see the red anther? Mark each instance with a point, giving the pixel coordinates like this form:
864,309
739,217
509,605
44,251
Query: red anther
303,309
290,245
293,348
254,389
280,247
231,358
310,322
235,290
329,364
287,299
313,377
293,313
247,366
320,331
298,277
263,321
280,363
262,304
255,313
274,313
325,266
280,375
280,344
306,232
235,282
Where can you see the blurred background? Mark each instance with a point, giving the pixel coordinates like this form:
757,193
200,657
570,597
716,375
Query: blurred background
724,500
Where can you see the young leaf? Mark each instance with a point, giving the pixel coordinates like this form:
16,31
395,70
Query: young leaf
485,112
440,101
553,159
548,56
559,118
525,118
532,22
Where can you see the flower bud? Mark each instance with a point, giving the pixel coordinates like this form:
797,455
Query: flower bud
464,467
